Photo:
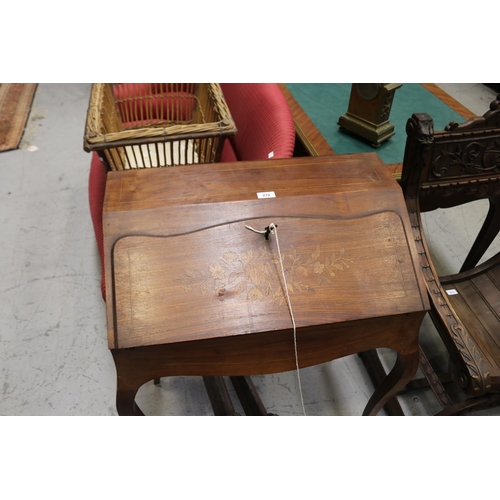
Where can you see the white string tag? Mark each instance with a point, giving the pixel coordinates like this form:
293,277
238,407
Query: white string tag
273,229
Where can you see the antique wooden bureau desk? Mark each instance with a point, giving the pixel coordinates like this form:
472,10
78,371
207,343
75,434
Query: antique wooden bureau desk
193,291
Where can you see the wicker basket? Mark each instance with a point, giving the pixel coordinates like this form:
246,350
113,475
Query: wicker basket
150,125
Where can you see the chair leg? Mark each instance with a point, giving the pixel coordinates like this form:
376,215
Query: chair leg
433,380
487,234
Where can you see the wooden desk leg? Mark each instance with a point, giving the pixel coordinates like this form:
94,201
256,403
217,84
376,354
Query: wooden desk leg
126,405
405,368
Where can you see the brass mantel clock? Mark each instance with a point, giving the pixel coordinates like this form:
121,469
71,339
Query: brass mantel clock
368,113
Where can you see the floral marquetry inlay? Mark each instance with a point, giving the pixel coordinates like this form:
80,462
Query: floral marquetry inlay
257,273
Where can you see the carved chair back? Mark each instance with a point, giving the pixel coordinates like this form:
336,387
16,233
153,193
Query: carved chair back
456,165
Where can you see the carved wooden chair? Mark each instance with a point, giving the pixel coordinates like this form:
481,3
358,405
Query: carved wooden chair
443,169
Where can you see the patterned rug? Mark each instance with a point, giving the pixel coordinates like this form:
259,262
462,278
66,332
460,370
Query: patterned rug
15,105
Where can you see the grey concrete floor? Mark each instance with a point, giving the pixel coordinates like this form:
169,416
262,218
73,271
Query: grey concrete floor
54,358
